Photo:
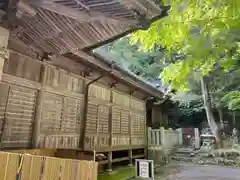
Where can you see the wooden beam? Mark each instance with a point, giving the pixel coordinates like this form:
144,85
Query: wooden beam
76,14
38,112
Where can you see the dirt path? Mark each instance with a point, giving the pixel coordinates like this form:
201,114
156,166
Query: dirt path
184,171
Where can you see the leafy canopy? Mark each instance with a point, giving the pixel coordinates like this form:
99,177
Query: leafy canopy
204,31
128,56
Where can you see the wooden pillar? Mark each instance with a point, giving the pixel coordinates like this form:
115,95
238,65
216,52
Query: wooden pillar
4,54
110,131
110,120
109,162
130,135
38,111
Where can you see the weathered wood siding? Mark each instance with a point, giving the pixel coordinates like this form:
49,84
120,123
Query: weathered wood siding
62,109
114,119
61,104
35,95
138,122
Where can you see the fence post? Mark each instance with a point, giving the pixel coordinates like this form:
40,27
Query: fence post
180,137
149,136
153,137
197,139
158,134
162,131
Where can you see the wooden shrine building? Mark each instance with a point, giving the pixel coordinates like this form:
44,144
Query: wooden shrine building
54,93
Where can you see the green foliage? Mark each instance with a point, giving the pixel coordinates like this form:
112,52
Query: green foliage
206,32
144,64
232,100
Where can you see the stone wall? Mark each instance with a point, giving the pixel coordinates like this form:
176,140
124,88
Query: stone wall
164,138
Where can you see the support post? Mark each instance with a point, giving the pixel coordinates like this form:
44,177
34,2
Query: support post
130,155
4,54
109,170
197,138
110,119
130,134
149,136
38,112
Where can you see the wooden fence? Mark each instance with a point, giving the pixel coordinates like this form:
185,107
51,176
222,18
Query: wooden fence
14,166
164,138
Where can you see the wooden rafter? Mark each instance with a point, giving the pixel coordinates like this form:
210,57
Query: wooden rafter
75,14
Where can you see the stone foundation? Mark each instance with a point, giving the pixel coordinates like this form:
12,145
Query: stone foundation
160,156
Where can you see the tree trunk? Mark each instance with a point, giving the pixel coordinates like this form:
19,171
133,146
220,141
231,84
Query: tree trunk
221,117
208,108
233,119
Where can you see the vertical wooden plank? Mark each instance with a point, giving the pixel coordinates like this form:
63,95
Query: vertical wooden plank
52,169
110,119
130,155
4,97
26,167
94,167
3,164
157,137
12,166
84,170
149,136
36,167
68,169
154,137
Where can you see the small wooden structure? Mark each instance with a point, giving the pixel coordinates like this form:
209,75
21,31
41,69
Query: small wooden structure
54,93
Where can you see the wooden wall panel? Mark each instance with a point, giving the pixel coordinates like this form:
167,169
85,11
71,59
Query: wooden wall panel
103,112
92,118
99,92
19,117
3,104
120,123
97,129
51,113
121,99
116,120
63,80
21,66
138,104
61,119
71,115
138,128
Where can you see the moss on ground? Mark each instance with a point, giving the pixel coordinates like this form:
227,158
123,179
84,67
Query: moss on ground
119,174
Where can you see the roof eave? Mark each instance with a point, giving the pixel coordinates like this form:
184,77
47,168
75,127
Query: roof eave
163,14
